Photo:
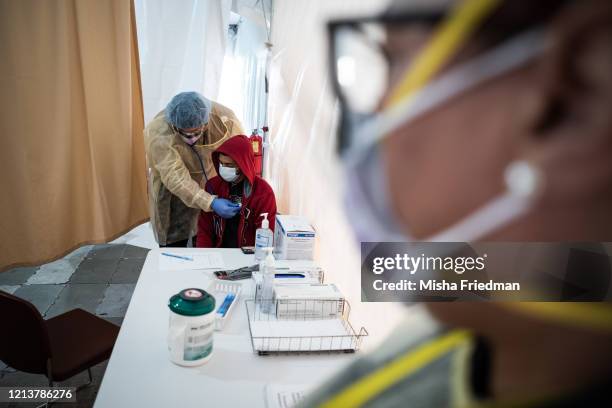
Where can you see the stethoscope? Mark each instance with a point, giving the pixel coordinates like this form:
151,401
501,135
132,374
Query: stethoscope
193,149
217,224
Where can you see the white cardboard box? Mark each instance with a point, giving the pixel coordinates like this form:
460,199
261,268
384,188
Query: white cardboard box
293,237
307,301
311,272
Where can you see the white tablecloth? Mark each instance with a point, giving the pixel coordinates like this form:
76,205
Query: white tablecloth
140,374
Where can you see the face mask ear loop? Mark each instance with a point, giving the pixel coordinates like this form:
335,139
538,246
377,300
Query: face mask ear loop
494,215
524,184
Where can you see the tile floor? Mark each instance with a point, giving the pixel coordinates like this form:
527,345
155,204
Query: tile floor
99,279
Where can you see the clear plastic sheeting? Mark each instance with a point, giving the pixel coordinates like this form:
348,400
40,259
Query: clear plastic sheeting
244,68
181,45
302,165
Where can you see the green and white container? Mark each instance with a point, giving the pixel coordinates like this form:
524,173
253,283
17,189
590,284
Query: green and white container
192,324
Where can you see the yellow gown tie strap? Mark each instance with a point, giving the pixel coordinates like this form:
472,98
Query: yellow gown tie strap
370,386
453,33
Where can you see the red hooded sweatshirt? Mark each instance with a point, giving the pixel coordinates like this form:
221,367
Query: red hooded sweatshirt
257,197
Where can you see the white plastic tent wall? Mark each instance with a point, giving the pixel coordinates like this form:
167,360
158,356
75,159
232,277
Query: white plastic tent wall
181,48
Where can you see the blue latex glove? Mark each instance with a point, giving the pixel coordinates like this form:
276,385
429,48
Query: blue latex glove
225,208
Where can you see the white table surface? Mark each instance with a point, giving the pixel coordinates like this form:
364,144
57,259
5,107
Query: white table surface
140,373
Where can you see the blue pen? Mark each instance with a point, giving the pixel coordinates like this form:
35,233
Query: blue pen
227,302
289,275
186,258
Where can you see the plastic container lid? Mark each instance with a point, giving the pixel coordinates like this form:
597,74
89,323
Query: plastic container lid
192,302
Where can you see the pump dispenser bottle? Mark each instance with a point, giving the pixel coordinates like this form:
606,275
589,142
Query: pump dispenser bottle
263,237
268,269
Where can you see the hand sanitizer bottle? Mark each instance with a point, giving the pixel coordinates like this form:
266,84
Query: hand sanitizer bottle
263,237
267,269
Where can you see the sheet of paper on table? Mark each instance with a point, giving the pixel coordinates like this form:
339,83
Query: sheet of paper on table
285,396
201,260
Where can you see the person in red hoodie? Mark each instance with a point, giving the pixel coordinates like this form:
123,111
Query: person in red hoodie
236,181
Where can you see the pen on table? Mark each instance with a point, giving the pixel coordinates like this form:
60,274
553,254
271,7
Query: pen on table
227,302
187,258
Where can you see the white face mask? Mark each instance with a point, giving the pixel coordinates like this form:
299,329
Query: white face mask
228,174
191,140
367,198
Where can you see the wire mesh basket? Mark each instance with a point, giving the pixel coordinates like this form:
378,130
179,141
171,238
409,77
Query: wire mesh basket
302,326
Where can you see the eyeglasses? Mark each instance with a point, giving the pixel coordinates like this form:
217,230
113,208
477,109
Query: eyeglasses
366,54
197,133
363,57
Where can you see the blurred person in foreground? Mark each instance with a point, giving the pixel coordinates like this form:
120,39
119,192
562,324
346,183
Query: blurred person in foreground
480,121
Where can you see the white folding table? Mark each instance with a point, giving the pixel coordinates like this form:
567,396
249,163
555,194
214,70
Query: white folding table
140,373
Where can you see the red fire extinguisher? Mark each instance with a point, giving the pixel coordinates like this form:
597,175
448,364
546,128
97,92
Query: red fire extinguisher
257,143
